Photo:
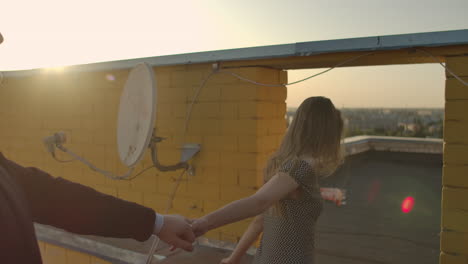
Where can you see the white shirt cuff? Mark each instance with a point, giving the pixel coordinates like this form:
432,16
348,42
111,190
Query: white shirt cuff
159,223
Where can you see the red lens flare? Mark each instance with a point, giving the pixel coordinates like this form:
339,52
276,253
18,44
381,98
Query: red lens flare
407,204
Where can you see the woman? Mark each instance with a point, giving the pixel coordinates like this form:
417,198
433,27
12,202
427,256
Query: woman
289,203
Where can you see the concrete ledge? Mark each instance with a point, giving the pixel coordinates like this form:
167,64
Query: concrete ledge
303,49
90,245
360,144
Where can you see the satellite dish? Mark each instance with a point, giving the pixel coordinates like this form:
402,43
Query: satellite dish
135,126
137,114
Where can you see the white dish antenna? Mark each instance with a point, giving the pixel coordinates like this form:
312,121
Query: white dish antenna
137,114
135,126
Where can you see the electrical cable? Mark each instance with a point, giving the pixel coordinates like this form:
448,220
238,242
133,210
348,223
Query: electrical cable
299,81
155,244
108,174
197,93
446,68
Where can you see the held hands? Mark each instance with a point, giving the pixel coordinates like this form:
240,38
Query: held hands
177,232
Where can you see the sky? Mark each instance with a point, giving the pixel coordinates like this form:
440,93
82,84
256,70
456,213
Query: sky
51,33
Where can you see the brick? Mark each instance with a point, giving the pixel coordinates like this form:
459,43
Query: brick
157,202
106,190
259,74
212,205
42,248
257,144
202,190
174,95
210,92
239,160
204,127
228,178
168,181
207,175
250,178
207,159
95,260
455,132
220,143
243,92
146,182
167,156
454,89
280,110
80,136
229,110
187,207
202,110
458,65
184,78
276,126
283,77
454,242
236,193
257,110
249,144
455,220
455,154
222,79
455,176
456,110
165,110
170,126
454,198
277,94
131,196
74,257
243,127
60,123
446,258
213,234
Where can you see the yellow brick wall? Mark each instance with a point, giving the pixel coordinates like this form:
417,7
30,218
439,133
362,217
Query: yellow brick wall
238,125
454,235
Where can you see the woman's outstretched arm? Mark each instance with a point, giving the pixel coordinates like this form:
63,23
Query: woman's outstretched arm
278,187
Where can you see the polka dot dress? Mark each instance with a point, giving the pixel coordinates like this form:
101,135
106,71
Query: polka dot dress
288,237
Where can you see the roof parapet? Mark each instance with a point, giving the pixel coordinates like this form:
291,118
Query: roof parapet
360,144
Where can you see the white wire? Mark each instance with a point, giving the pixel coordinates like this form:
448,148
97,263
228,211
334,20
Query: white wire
446,68
299,81
189,110
155,244
108,174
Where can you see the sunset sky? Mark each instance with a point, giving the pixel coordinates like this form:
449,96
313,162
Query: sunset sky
58,33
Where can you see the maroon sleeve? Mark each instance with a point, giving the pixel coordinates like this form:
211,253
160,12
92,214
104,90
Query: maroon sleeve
78,208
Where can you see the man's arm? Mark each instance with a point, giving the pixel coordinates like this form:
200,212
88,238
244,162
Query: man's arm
82,210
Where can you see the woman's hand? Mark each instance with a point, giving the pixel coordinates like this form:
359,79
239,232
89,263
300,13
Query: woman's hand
200,226
176,231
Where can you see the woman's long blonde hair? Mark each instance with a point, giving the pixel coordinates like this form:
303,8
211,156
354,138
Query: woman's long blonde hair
315,132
